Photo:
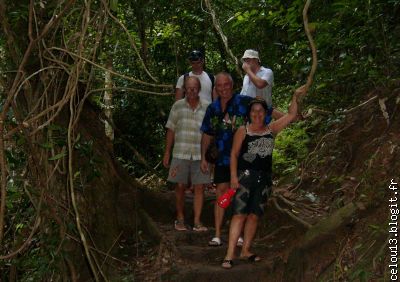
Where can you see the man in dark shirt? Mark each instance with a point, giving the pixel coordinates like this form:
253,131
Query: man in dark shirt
222,118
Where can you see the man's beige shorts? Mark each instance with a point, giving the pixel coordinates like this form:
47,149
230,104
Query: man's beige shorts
187,171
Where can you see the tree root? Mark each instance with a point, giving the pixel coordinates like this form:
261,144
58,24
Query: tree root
268,236
98,251
297,261
304,208
73,276
360,105
291,215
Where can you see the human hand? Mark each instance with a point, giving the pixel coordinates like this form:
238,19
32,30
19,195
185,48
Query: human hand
234,183
299,93
166,159
204,166
246,67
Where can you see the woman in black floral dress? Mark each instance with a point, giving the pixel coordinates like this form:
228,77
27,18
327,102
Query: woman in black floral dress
251,168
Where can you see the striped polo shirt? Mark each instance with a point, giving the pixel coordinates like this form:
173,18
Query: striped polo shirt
186,122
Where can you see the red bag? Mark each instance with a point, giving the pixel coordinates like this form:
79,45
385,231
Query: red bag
225,199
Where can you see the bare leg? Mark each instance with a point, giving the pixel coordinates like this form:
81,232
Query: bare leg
250,229
180,200
218,211
198,202
234,233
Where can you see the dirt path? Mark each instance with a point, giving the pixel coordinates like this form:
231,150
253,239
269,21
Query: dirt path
186,256
196,261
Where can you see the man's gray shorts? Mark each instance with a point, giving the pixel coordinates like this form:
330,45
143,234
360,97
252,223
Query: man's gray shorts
181,171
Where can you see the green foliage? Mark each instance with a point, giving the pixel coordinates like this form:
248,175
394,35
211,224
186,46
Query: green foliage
358,50
355,51
43,257
89,161
142,120
361,275
290,149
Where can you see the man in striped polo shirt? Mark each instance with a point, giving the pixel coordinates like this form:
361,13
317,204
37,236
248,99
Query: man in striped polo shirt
183,139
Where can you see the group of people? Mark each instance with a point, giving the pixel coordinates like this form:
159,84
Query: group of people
206,110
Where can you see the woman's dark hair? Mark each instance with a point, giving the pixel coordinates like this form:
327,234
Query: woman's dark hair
260,101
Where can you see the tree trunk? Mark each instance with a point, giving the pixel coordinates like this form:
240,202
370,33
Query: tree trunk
324,230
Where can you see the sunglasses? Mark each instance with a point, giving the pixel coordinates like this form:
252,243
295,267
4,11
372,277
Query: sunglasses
196,62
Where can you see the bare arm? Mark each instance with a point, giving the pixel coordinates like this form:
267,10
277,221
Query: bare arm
276,114
179,93
258,82
214,94
281,123
205,142
170,139
237,144
180,88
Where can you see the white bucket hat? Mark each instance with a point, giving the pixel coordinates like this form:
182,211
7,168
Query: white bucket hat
250,54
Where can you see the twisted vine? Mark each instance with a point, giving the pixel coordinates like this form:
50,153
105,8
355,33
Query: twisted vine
312,45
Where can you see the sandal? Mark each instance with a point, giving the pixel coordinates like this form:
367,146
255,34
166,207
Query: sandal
240,242
180,225
200,228
215,242
252,258
227,264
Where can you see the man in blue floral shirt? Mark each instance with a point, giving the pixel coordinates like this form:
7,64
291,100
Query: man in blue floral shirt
222,118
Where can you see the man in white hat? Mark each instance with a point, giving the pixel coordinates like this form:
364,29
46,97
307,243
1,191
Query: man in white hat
258,80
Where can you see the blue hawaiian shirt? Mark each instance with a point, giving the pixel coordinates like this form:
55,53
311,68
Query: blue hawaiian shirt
215,125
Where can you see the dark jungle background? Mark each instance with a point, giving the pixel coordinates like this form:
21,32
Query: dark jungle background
86,88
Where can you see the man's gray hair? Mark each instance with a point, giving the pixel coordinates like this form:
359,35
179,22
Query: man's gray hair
194,78
225,74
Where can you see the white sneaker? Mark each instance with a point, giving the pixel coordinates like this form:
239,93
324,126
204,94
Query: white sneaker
200,228
215,242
